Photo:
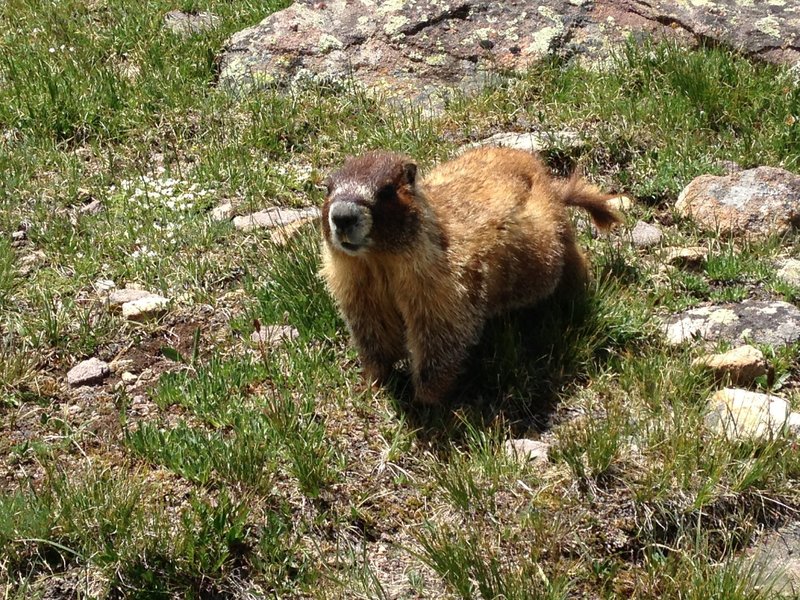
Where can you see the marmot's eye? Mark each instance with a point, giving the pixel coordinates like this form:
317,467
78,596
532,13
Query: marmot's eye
386,192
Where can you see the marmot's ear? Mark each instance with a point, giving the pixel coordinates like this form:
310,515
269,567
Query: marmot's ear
410,173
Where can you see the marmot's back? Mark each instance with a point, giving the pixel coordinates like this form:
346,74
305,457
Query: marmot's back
504,220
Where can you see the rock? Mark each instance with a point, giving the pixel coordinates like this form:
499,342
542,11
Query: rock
104,285
30,262
282,235
274,217
742,364
690,257
620,203
128,377
124,295
532,141
140,406
145,309
88,372
120,364
789,271
274,335
534,451
92,208
776,561
413,50
741,414
644,235
222,212
793,424
762,322
182,23
759,202
19,236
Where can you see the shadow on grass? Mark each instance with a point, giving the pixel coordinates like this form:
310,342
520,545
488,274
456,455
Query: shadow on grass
516,373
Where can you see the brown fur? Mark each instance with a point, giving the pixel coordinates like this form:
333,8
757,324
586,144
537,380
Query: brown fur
479,235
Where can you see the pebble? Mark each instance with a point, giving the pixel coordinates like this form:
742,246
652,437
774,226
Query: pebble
274,335
686,257
742,364
274,217
88,372
534,451
620,203
222,212
644,235
145,309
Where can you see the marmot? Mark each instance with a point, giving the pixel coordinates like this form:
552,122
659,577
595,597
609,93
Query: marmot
417,265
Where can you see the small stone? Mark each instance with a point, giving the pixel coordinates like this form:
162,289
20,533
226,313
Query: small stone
274,335
140,406
529,450
128,377
104,285
222,212
88,372
644,235
793,424
620,203
531,141
282,235
145,309
92,208
29,262
124,295
742,364
120,364
182,23
789,271
688,257
274,217
741,414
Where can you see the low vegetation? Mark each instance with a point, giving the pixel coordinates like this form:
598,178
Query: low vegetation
233,468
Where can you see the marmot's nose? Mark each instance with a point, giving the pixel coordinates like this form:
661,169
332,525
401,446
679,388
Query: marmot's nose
345,221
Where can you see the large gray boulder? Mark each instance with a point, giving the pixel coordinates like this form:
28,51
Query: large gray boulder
412,49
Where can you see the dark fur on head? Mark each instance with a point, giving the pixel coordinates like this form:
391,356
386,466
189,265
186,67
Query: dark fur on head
371,204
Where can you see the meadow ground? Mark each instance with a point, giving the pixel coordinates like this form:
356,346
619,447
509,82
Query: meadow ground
226,468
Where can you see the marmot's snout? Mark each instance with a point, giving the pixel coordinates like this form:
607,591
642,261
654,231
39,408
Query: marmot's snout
350,225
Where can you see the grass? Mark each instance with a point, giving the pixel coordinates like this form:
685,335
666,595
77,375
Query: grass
232,468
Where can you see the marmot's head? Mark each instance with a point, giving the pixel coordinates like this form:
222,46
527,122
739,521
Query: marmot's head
371,204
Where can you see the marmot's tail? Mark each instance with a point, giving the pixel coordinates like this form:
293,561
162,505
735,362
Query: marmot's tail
575,191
